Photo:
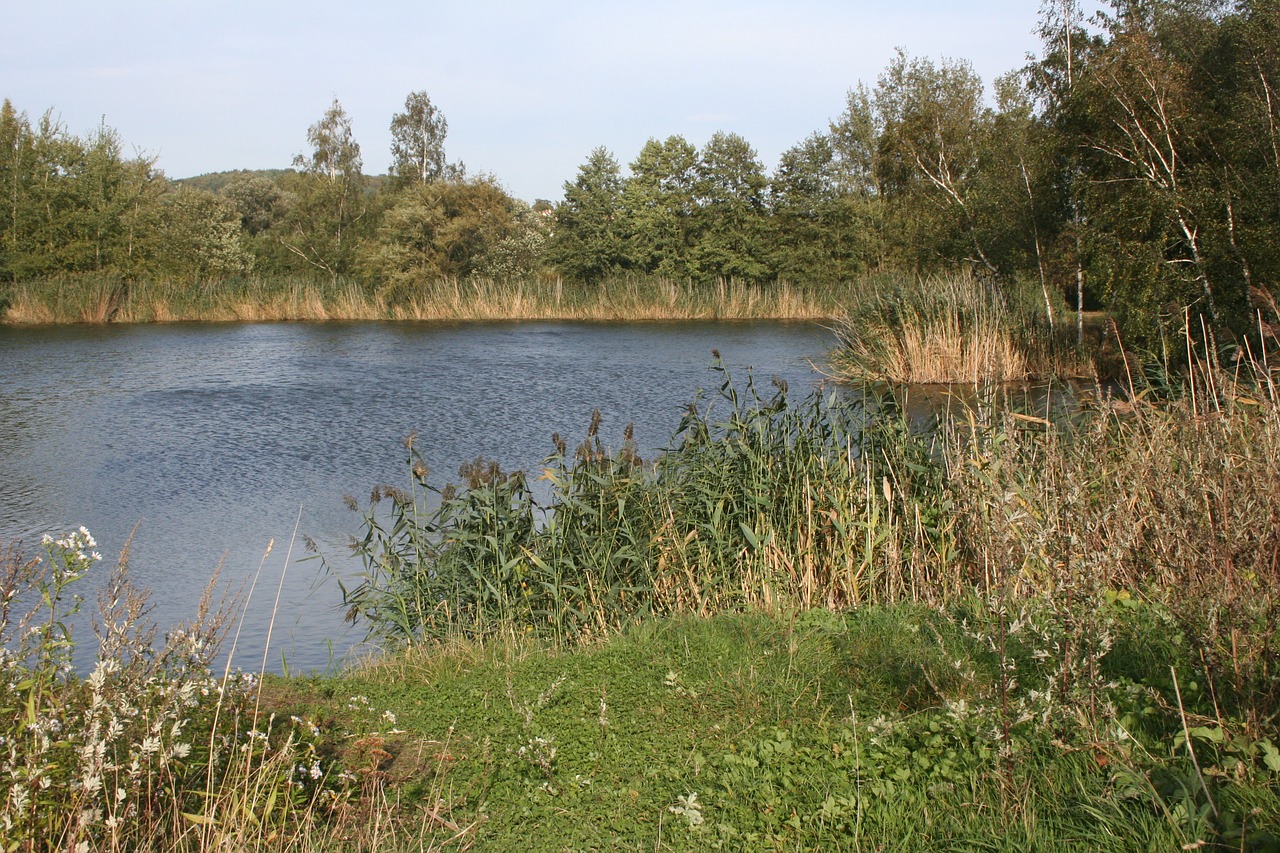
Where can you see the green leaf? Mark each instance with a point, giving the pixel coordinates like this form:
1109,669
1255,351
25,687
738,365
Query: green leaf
1270,755
1205,733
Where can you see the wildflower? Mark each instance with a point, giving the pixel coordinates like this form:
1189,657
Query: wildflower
689,807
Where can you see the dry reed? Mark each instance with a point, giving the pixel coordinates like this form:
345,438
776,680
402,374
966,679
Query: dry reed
107,299
950,329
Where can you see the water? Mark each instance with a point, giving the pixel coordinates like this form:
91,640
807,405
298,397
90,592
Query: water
215,440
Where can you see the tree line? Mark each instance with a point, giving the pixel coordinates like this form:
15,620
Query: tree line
81,205
1134,163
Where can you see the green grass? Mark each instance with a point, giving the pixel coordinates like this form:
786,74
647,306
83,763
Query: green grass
884,728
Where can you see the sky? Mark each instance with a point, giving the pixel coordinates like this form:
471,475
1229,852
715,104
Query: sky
529,89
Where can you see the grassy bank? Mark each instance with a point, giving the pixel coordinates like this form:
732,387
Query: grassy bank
106,299
812,624
892,727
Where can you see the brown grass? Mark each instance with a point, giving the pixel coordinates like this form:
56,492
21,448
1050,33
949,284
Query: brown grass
106,299
951,329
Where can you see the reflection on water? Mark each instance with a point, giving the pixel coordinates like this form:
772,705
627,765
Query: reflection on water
217,439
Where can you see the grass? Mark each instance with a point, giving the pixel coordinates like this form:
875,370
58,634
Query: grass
884,728
100,298
953,329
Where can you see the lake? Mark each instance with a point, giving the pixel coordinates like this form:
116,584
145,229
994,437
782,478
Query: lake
216,439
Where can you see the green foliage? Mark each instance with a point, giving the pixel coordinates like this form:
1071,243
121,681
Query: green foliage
198,236
438,231
930,120
417,141
904,726
80,207
821,231
323,224
730,190
589,240
659,200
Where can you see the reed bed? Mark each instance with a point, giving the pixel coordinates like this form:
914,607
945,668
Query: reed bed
94,298
952,329
839,500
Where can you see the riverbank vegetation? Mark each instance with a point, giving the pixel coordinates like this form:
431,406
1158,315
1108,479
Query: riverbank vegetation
94,298
812,623
960,329
1132,166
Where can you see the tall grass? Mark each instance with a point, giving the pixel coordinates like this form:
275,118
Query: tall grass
759,503
836,501
153,749
952,329
103,298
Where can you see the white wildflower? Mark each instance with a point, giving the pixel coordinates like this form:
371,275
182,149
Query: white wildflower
689,807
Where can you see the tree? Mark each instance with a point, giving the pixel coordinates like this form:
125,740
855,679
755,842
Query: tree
119,200
730,191
818,227
517,253
855,143
263,207
931,118
1015,206
659,202
335,154
1051,82
589,242
16,173
198,236
439,230
417,141
330,198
